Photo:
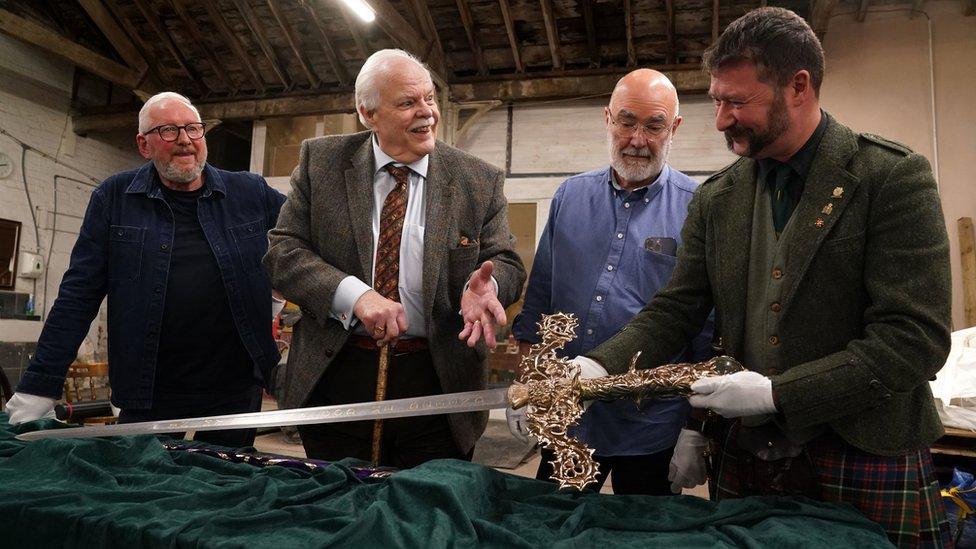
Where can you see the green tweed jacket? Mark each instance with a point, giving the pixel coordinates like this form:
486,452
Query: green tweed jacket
866,311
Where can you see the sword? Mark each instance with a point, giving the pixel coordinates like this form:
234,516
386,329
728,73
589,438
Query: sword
470,401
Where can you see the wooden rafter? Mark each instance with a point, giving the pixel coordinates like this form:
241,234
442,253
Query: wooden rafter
338,68
715,21
152,17
672,46
405,37
114,33
422,12
820,15
257,31
191,28
230,39
862,11
552,33
629,28
595,58
294,43
473,41
512,37
352,25
51,42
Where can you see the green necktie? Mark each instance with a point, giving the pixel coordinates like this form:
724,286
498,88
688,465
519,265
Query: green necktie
781,195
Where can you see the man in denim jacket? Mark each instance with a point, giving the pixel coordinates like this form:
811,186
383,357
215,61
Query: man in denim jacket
176,245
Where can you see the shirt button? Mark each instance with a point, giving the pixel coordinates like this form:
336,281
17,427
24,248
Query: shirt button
777,273
599,298
609,267
164,247
626,204
620,235
774,340
589,331
775,307
646,200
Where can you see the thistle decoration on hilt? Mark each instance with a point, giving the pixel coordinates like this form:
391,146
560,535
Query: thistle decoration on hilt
553,393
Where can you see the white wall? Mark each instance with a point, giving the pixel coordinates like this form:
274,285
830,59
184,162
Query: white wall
35,91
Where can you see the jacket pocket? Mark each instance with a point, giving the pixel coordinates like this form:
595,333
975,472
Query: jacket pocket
125,252
251,243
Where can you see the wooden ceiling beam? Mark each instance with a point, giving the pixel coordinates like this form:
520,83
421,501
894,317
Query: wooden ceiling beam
552,33
194,32
403,34
629,28
231,39
78,55
353,26
596,59
295,43
157,26
506,9
672,46
862,11
338,68
820,15
559,85
116,36
715,21
257,32
473,41
423,15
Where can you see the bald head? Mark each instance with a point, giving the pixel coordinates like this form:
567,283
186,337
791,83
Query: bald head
642,118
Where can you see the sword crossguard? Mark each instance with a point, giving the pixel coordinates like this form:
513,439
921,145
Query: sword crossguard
552,393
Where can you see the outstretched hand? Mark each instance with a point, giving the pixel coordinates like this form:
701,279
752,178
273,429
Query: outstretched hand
480,308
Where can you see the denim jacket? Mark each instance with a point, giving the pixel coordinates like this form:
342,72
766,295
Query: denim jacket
123,252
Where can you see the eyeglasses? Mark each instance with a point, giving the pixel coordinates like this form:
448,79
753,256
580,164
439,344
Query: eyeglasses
629,128
171,132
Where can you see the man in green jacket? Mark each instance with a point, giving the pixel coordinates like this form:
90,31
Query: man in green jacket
825,256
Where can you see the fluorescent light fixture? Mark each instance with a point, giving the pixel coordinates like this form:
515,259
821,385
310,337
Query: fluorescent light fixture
362,9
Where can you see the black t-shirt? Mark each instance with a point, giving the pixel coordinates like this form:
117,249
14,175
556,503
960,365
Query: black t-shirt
200,350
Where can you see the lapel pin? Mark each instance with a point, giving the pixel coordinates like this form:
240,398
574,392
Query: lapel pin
828,208
838,192
819,222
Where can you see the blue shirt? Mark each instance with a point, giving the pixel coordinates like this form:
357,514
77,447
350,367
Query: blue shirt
123,252
592,261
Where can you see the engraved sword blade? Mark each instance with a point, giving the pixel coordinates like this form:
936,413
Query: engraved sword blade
471,401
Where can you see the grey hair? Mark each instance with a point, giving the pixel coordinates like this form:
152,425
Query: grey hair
367,82
159,98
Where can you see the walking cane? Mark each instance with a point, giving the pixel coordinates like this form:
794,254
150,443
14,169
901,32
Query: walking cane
384,363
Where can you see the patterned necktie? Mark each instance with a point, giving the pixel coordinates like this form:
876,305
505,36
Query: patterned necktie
781,196
387,279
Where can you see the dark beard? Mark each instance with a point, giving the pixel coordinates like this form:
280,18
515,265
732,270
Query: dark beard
779,122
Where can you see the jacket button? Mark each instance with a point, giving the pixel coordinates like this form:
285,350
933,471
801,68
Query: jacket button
164,247
774,340
775,307
777,273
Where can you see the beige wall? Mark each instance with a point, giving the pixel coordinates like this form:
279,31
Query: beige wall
885,77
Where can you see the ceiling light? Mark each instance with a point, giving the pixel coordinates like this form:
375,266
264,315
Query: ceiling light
362,9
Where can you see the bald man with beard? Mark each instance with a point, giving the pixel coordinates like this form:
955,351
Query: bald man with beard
634,210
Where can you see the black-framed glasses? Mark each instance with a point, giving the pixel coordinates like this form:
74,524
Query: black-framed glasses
171,132
629,128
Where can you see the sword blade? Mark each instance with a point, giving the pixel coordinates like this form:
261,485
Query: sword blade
451,403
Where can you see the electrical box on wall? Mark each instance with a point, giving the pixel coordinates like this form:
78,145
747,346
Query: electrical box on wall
30,265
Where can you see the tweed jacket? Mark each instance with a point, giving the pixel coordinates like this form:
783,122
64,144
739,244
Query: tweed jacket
324,234
866,310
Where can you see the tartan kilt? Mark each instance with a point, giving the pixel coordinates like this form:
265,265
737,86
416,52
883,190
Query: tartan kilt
901,493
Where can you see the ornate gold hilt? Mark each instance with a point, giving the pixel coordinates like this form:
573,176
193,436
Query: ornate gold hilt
552,392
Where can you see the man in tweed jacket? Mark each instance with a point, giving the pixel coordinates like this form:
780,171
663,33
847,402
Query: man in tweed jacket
825,256
455,254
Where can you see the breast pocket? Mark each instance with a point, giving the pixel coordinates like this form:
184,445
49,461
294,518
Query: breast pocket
648,273
125,252
251,243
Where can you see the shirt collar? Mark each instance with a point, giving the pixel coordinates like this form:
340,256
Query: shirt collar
663,176
801,161
382,159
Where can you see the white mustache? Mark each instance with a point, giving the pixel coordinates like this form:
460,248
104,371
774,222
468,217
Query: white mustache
422,123
634,151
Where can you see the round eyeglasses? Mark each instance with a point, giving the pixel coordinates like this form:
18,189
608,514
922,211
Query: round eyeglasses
171,132
629,128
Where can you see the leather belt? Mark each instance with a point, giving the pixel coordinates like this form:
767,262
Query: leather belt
402,346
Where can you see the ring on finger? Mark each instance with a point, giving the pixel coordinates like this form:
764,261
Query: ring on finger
379,329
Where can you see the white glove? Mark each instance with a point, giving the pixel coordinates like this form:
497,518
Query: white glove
687,468
517,424
24,407
116,411
589,368
734,395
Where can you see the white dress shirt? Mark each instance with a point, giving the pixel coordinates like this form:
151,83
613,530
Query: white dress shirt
411,248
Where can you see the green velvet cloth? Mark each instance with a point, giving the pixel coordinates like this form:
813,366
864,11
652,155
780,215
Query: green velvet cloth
130,492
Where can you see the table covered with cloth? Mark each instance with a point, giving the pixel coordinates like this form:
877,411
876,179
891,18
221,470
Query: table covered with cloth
133,492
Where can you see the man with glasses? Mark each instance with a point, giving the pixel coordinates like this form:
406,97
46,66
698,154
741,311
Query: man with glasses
633,210
176,246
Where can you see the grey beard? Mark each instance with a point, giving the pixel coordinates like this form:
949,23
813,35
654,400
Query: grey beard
170,172
641,171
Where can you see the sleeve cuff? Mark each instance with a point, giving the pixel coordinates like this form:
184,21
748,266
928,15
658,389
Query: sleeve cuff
346,295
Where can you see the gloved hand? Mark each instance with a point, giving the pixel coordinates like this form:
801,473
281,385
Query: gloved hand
589,368
687,468
734,395
517,424
24,407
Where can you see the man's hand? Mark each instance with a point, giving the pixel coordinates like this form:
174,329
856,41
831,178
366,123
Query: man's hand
24,407
687,468
480,308
734,395
384,320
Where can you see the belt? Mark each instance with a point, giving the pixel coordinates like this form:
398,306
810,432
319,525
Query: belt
402,346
